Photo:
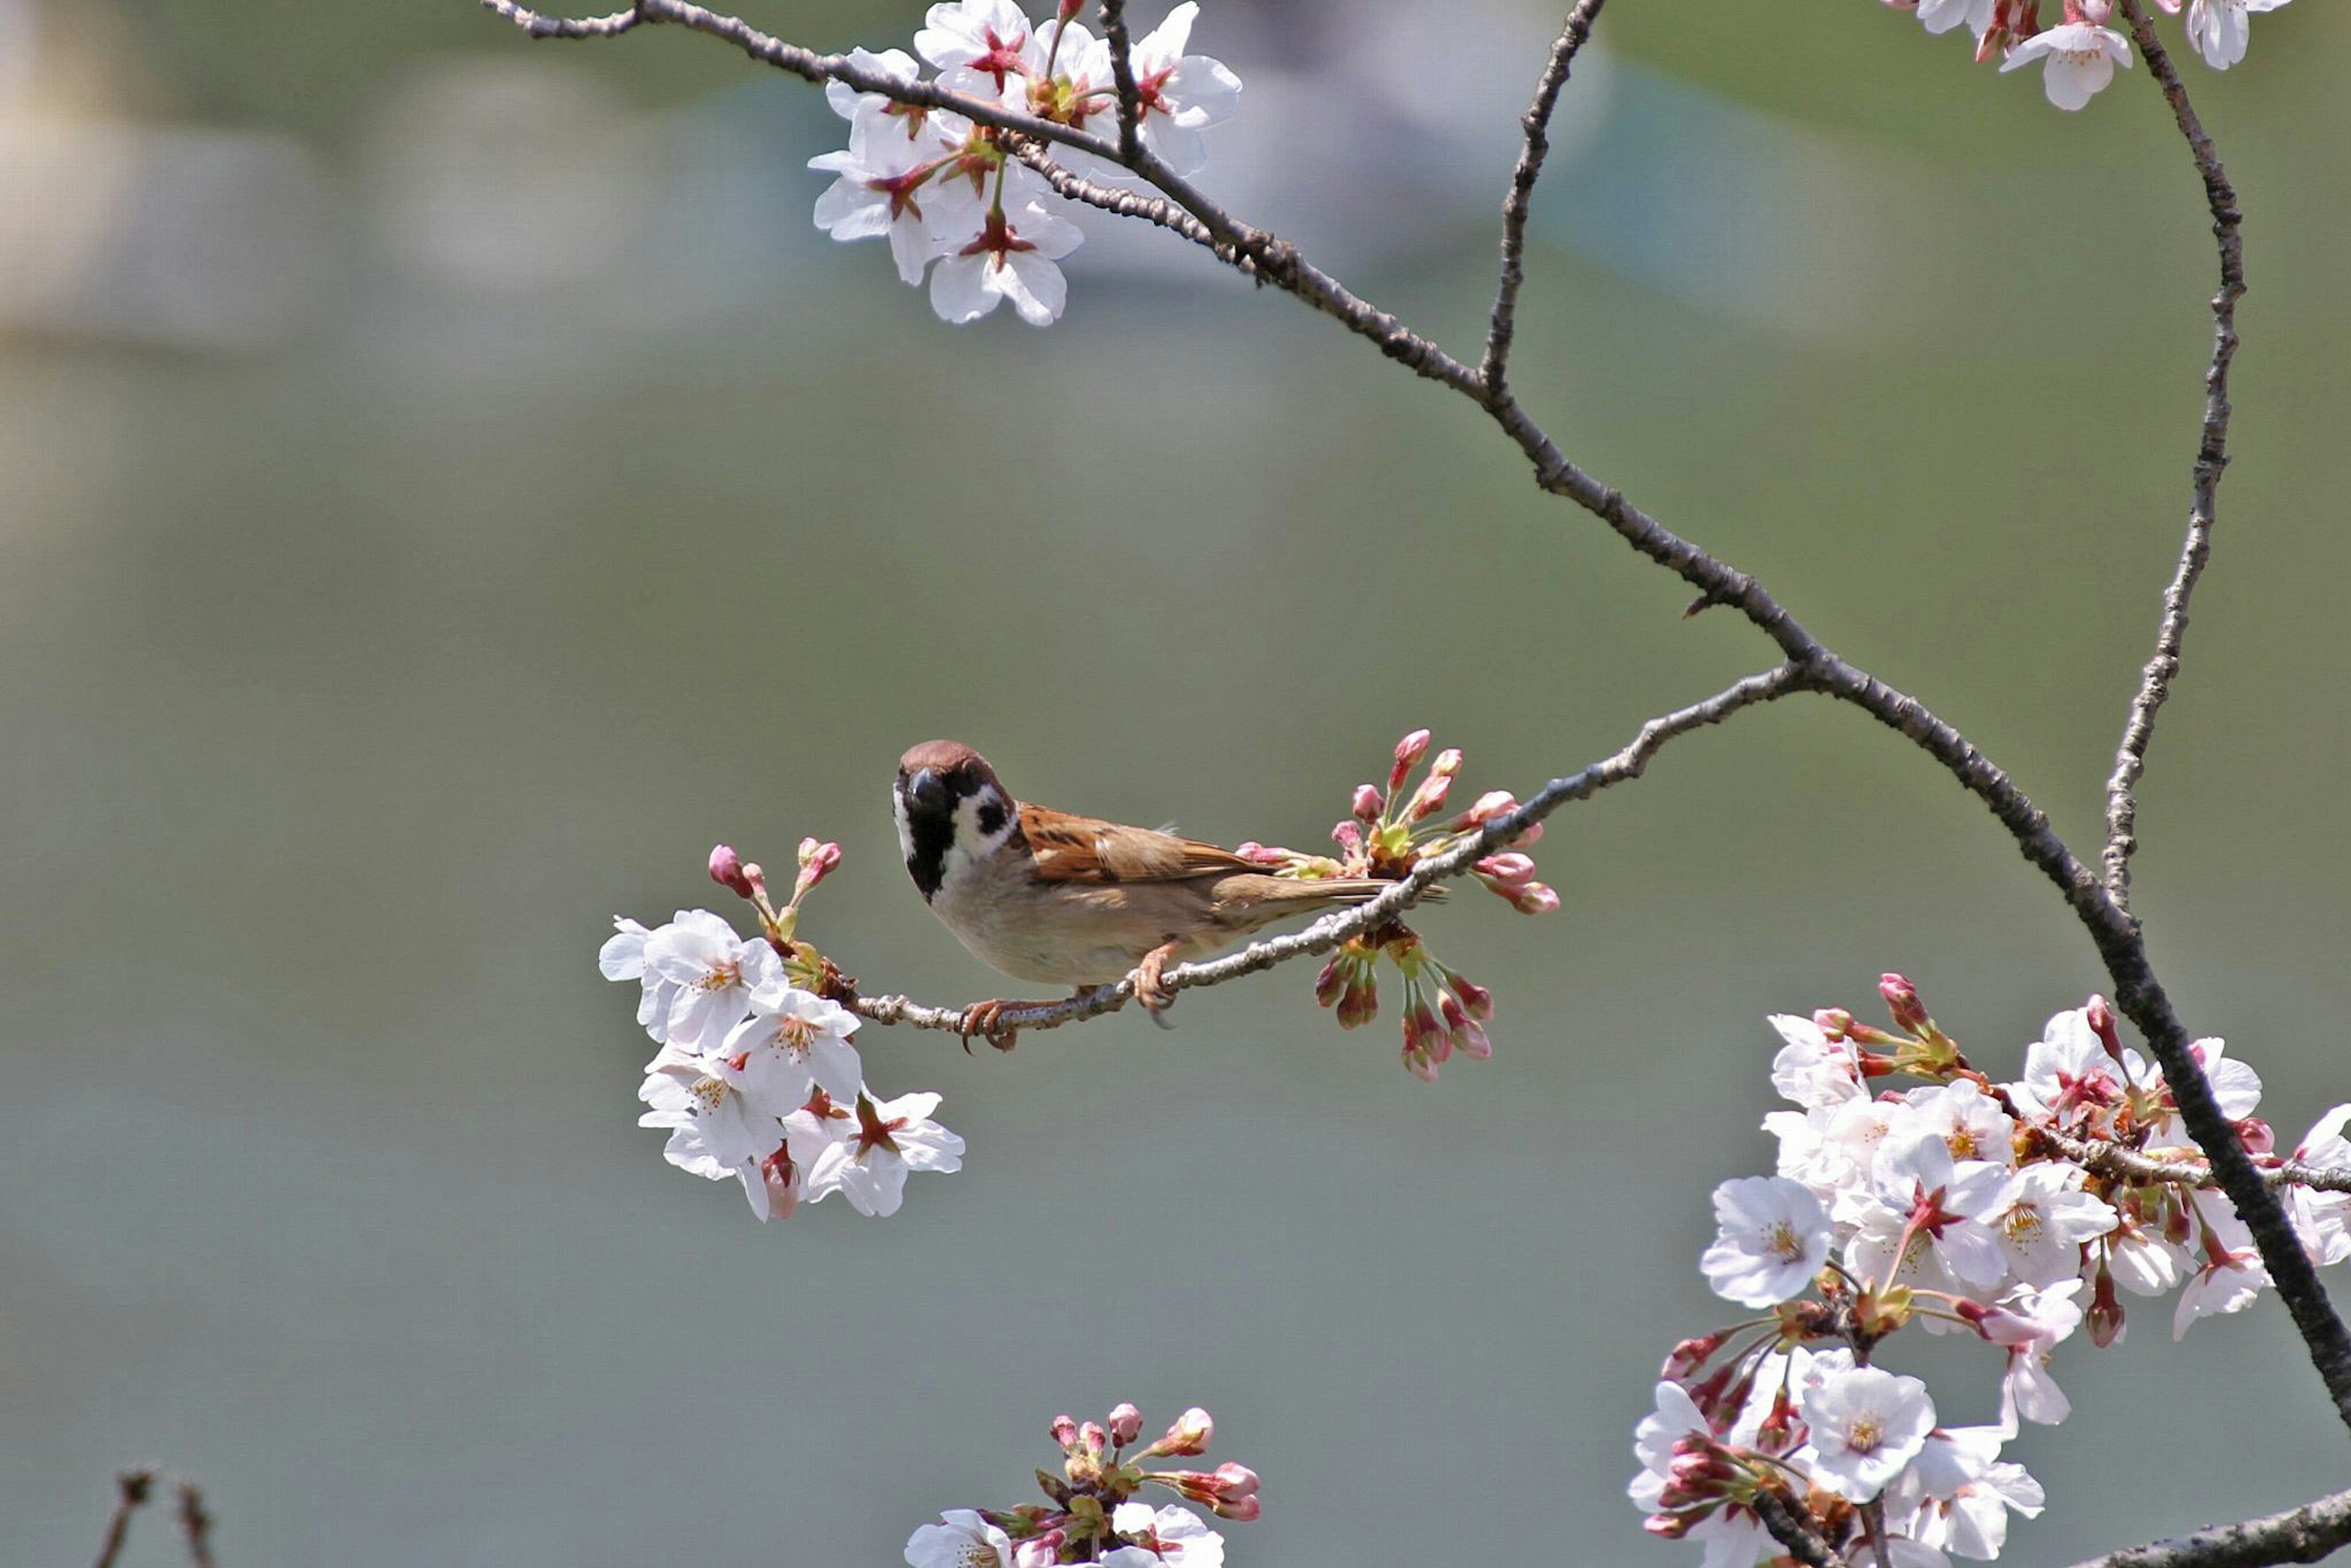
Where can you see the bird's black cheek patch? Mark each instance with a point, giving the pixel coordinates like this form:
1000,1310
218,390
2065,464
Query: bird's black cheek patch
991,818
930,830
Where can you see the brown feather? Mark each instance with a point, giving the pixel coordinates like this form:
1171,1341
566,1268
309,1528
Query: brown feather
1087,849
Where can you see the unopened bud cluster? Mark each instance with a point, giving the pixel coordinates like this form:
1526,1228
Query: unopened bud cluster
1385,833
2078,55
1956,1206
756,1077
1092,1514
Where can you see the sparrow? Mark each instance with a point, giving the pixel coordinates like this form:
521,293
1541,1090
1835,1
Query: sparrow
1041,894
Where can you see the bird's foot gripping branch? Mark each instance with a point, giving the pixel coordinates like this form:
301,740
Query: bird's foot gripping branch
757,1077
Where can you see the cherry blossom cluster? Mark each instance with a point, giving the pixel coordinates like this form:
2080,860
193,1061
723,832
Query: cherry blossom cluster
1384,835
948,194
2078,55
1095,1516
757,1078
2009,1211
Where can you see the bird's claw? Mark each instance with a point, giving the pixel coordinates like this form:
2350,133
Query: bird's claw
1150,986
986,1019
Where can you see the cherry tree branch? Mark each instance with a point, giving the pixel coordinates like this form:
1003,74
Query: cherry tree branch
1335,928
2130,1165
1121,72
195,1525
2212,457
133,1489
2116,936
1520,200
2302,1534
1794,1529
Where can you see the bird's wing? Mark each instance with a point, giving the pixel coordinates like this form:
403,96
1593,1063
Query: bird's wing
1087,849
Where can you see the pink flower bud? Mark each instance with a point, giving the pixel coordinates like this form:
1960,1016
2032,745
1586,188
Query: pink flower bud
782,1180
726,871
1191,1433
1527,836
1509,870
2101,1015
1430,799
1902,1001
1236,1481
1465,1030
1535,899
1368,803
1038,1550
1125,1423
1065,1432
1475,997
1260,854
1329,984
1242,1507
1447,763
1069,9
1666,1526
817,862
2105,1314
1412,748
1690,1355
1094,1437
1493,803
1349,836
2256,1135
1834,1022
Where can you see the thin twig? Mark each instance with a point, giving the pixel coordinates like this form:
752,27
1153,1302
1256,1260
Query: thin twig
1121,71
196,1525
2108,1159
133,1489
541,26
1332,929
1520,200
2212,457
2120,946
1120,202
1794,1531
2302,1534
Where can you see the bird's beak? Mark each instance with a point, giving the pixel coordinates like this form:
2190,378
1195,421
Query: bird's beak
927,788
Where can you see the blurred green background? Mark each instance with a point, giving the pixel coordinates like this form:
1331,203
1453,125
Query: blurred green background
446,485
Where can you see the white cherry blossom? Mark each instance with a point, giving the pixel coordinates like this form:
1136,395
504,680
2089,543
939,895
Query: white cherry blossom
710,976
2079,60
2046,1219
1181,94
808,1035
962,1538
716,1129
1177,1536
2323,1219
1942,15
1865,1424
2228,1271
887,1140
1772,1238
1011,257
1811,1069
2219,29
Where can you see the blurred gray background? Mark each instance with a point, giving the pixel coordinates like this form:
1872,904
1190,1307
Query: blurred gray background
445,484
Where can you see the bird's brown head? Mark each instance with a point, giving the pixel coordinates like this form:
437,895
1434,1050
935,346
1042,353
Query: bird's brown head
951,809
